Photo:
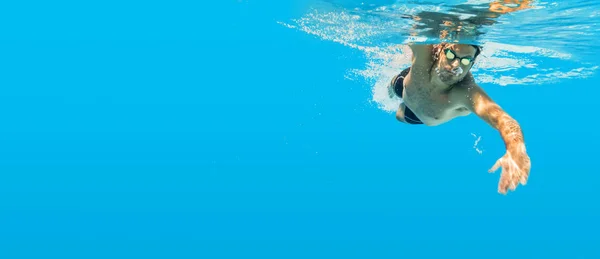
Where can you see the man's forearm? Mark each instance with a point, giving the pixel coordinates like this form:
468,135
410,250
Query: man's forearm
495,116
421,54
420,48
511,133
509,128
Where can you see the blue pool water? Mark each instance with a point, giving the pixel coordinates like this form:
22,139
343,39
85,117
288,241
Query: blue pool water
257,129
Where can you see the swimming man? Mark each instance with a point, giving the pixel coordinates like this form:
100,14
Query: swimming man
439,87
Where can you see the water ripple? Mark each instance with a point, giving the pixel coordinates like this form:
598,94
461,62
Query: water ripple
519,39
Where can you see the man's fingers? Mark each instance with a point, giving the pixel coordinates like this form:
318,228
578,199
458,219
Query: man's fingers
514,179
513,185
496,165
504,181
527,167
524,178
513,173
502,189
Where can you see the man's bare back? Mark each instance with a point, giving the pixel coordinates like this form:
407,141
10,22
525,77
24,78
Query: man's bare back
439,87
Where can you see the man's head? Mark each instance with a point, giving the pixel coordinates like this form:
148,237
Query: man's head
453,61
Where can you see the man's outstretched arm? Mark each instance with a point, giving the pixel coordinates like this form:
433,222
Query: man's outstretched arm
515,163
484,107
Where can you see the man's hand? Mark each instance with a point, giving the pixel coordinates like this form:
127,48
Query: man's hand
515,169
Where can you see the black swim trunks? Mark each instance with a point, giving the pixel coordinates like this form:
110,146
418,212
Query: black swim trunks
398,85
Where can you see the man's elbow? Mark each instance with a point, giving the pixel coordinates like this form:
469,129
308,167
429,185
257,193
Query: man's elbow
491,114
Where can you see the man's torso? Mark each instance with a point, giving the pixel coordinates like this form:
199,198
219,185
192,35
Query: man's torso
433,106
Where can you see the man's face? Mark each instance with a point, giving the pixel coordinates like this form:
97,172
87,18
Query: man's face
454,62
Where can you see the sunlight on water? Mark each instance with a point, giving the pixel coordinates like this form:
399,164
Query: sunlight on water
518,37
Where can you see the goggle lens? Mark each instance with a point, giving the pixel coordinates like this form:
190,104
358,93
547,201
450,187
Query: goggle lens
451,56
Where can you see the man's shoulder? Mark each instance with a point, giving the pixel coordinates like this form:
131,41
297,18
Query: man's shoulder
466,86
467,83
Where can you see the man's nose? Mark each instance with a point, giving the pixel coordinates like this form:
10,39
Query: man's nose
455,63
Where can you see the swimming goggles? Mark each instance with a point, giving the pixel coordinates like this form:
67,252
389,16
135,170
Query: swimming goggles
451,55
